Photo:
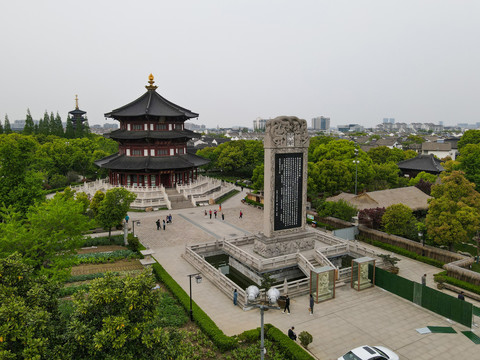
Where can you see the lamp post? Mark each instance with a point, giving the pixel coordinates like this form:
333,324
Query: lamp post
420,236
133,225
198,279
262,308
356,161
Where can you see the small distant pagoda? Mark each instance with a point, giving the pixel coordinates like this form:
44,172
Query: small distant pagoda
78,116
152,143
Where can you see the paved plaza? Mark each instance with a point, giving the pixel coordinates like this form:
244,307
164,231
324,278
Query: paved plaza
372,316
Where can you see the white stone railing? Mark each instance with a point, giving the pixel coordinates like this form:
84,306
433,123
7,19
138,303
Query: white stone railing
304,264
328,238
200,180
297,287
323,260
242,255
215,195
215,276
344,273
334,250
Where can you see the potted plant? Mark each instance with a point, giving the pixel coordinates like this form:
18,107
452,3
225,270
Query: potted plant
391,262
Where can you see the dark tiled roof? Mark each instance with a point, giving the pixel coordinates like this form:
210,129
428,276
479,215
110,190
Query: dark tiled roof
77,112
174,134
122,162
426,163
152,104
435,146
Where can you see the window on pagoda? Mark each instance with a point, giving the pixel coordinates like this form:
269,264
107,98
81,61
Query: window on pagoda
162,152
137,127
178,126
137,152
162,127
181,151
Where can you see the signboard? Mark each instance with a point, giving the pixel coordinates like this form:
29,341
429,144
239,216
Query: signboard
288,191
310,217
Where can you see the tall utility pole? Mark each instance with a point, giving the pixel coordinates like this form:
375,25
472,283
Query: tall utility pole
356,161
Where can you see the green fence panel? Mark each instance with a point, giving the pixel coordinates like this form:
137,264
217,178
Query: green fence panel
448,306
431,299
394,284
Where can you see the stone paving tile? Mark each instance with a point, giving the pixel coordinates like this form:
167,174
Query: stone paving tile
372,316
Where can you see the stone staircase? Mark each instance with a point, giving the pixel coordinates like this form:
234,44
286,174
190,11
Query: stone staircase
177,200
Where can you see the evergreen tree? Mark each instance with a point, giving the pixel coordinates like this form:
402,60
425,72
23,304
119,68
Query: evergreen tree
1,128
44,124
35,129
7,129
69,131
79,130
56,127
86,128
29,126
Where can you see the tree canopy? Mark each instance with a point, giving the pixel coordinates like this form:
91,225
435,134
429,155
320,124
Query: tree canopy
114,207
454,212
398,219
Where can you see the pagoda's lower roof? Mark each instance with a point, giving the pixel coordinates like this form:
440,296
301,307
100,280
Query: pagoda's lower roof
131,163
151,134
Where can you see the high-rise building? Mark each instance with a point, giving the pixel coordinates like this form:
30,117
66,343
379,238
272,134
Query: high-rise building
388,120
259,124
321,123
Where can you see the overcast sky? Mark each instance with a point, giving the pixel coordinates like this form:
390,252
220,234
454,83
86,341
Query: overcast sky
233,61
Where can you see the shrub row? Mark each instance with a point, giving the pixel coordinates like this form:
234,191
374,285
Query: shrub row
252,202
222,341
103,240
85,277
70,290
402,251
226,196
443,277
102,257
289,348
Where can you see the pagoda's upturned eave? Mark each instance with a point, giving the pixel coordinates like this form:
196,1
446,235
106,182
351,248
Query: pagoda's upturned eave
151,104
167,135
151,163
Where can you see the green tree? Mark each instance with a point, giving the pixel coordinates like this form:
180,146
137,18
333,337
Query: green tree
29,321
423,176
7,128
399,220
385,176
56,126
96,201
469,163
383,154
44,124
20,184
116,320
69,130
1,127
114,208
330,177
257,177
454,212
339,209
469,137
210,154
48,236
29,126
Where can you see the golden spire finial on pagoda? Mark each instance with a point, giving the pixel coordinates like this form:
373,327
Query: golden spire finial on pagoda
151,82
76,102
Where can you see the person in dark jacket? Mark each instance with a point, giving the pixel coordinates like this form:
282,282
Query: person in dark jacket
291,334
311,304
287,305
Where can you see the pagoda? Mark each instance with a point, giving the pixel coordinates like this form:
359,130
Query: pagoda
152,143
78,117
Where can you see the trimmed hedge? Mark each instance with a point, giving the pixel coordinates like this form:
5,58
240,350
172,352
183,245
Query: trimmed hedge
404,252
222,341
85,277
254,203
442,277
104,257
103,240
289,348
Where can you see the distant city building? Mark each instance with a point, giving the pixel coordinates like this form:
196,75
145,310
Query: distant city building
194,127
259,124
389,120
20,124
321,123
350,128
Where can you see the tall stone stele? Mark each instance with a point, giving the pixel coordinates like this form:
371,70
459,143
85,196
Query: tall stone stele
286,163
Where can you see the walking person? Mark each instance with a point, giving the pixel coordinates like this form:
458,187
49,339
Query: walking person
223,217
291,333
205,212
287,305
424,279
241,214
461,296
210,212
235,296
163,224
170,218
158,224
215,213
311,304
